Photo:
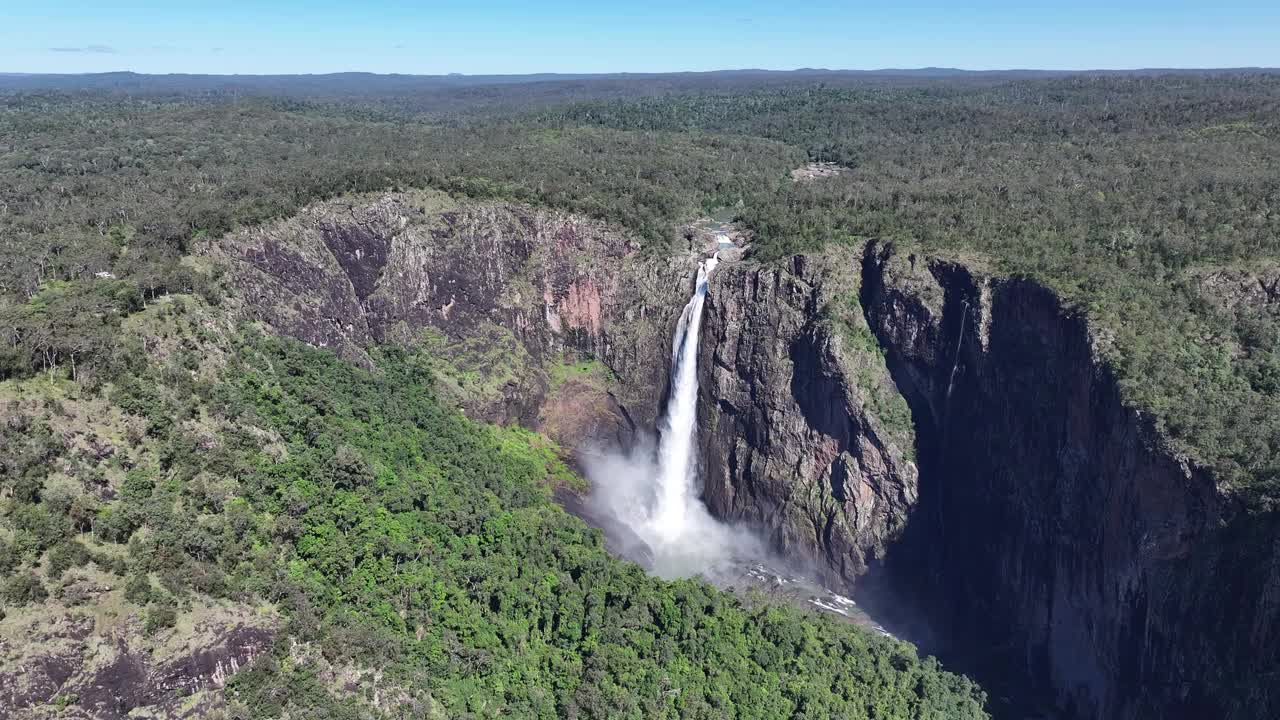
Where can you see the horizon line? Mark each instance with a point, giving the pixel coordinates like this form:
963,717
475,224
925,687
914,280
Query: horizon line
562,73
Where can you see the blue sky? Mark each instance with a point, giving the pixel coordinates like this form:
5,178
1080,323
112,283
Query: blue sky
234,36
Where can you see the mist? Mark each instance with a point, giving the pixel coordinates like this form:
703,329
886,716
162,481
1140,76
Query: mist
653,490
626,492
648,500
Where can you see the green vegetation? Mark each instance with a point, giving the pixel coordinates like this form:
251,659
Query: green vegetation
1119,193
450,561
871,372
474,370
396,534
147,436
588,370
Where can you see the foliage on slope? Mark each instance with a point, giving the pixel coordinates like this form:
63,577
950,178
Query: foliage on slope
1117,192
416,554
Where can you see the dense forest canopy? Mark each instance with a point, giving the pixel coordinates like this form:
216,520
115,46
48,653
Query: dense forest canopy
397,536
389,529
1120,191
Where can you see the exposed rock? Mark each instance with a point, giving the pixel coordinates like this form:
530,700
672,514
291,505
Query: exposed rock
1048,529
792,382
1231,288
1062,551
816,171
502,292
1058,527
63,662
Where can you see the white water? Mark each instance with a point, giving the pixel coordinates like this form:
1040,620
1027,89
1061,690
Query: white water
656,495
677,468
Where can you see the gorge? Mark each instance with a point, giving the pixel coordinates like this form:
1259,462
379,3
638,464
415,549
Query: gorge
1049,539
688,396
942,437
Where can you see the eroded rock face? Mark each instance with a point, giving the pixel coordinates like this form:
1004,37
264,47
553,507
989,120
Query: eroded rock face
792,440
1255,288
76,662
1018,501
1056,533
1062,553
501,292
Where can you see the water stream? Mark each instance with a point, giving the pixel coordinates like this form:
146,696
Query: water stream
655,494
678,507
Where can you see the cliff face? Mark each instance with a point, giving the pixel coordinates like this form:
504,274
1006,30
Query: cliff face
1059,526
948,433
792,441
515,302
1051,539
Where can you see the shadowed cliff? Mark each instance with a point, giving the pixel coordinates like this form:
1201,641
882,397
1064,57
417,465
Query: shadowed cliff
1050,542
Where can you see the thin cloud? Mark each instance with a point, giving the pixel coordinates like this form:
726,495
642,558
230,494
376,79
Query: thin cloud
100,49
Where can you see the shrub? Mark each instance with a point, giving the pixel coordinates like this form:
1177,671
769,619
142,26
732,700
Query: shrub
159,617
138,589
23,588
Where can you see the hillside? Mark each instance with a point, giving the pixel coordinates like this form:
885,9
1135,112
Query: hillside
220,500
290,382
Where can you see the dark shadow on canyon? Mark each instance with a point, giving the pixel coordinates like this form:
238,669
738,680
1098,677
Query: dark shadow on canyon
922,590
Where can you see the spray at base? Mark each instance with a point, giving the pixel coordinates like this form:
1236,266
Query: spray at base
654,493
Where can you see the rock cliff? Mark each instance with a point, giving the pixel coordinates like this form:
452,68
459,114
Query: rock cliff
917,424
537,317
1062,535
1060,551
804,433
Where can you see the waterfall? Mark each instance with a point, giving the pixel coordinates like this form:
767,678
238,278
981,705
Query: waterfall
677,466
655,494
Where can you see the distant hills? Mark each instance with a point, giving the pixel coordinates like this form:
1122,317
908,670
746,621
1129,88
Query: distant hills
362,83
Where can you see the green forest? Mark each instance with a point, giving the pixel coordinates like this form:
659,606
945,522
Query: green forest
1119,192
389,531
395,534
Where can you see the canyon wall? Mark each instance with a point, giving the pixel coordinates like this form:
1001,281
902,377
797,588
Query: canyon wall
1058,548
1064,534
804,434
909,422
534,316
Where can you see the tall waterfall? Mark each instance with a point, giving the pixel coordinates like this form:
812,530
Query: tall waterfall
655,495
677,467
649,501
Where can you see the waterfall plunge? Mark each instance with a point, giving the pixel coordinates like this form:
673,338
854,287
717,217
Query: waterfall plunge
655,494
677,466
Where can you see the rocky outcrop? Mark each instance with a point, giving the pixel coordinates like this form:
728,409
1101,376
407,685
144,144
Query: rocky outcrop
1063,539
502,294
59,661
1238,290
804,433
1060,550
